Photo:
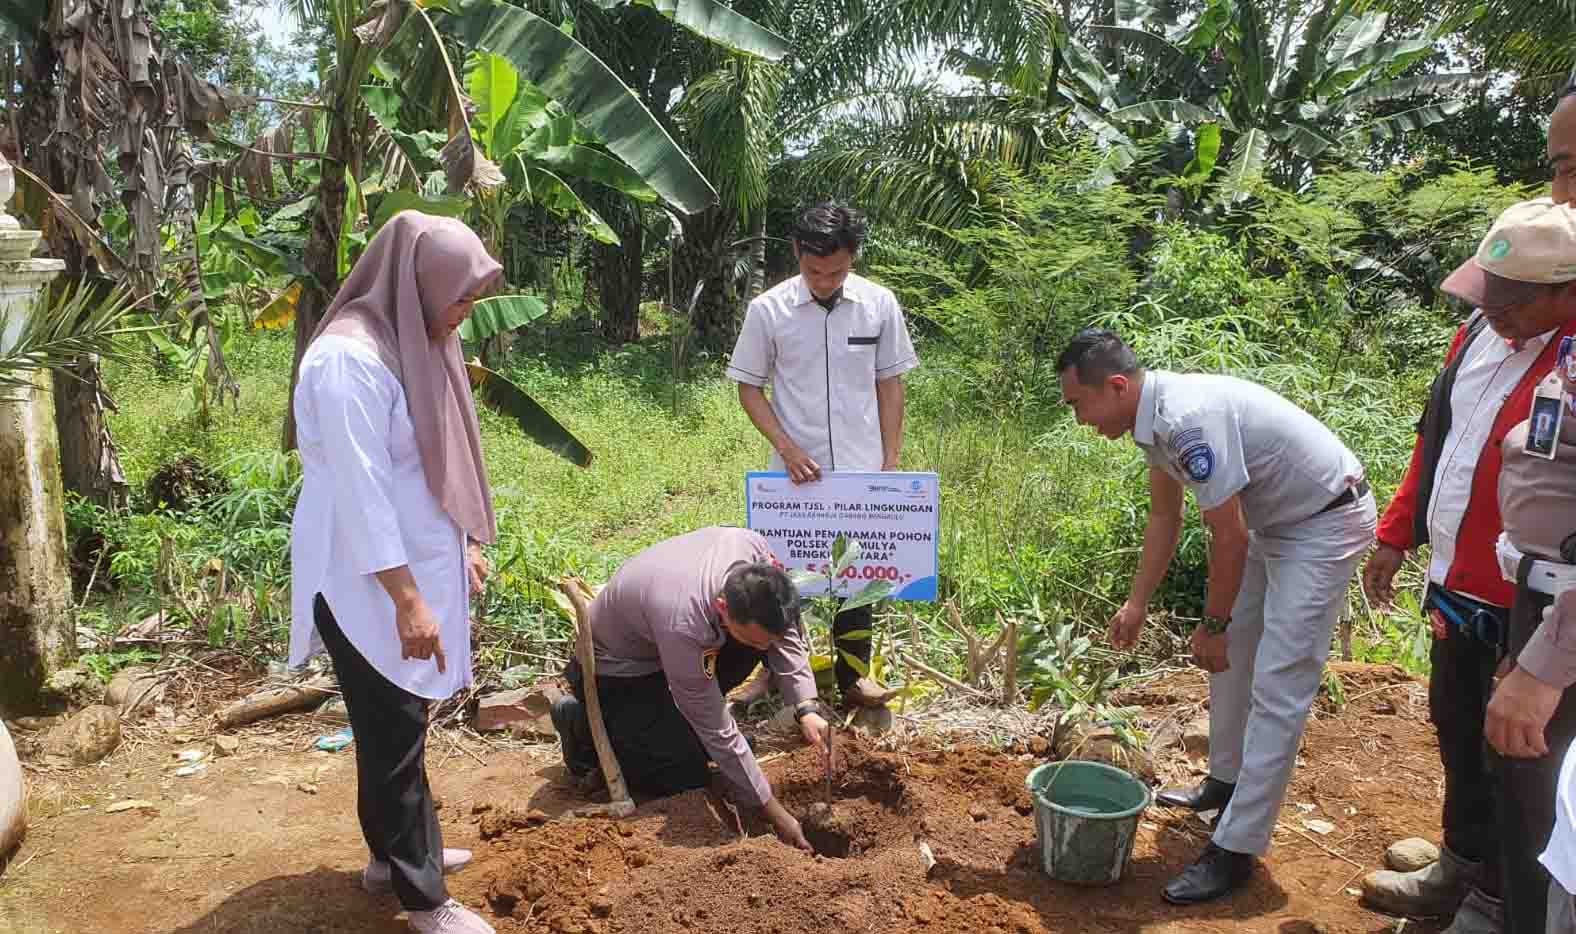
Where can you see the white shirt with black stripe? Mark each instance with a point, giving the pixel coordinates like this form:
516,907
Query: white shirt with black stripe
823,366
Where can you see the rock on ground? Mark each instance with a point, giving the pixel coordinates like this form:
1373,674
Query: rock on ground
134,690
877,720
75,687
1095,743
90,735
1411,854
1195,738
525,711
333,709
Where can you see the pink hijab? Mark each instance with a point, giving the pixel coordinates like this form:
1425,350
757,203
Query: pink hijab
413,270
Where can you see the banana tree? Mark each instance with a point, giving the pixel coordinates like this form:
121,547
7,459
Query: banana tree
1285,91
415,33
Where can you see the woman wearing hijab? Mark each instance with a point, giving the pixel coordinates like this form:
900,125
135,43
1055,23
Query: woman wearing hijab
384,547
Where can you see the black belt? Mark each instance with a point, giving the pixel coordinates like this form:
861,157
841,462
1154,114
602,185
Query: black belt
1352,495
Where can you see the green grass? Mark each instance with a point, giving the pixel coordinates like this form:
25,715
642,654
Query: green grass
1041,519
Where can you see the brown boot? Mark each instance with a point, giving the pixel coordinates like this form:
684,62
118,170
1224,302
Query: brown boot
867,693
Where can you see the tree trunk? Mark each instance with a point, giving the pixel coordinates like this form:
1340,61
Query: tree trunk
89,463
620,274
757,260
321,255
705,257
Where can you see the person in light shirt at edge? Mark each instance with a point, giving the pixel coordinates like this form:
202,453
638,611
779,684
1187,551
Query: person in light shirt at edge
385,546
833,347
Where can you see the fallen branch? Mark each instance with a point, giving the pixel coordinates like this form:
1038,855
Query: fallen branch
276,701
1335,853
948,680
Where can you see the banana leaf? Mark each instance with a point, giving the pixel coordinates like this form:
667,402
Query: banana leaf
495,391
492,316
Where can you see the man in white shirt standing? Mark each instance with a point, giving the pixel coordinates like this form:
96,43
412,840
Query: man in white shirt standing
833,347
1289,516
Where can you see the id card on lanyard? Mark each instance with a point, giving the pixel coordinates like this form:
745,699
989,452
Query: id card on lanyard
1548,410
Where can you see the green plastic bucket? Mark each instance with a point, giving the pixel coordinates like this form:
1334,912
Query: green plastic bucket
1086,815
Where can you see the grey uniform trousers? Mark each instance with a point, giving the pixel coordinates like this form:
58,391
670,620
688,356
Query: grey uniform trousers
1293,588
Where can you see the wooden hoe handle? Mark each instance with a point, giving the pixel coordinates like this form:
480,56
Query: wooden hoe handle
580,598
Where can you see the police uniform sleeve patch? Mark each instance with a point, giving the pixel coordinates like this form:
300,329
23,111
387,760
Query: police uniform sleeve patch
708,662
1198,461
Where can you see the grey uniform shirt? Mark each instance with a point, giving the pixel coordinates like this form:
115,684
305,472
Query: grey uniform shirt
823,366
1223,437
656,614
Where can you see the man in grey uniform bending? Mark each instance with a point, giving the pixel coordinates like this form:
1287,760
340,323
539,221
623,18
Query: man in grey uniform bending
1289,515
678,626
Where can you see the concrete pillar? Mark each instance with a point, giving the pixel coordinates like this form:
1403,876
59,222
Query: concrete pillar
37,631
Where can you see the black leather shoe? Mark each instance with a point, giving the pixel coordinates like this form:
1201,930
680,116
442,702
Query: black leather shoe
1216,872
1211,794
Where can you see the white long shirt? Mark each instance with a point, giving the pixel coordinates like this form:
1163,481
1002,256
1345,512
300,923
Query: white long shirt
823,366
364,508
1484,381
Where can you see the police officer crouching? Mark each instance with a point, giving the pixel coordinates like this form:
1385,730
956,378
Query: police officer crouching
677,627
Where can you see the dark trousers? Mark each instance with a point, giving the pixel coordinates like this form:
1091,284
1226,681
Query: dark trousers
393,798
857,620
656,749
1526,793
1458,693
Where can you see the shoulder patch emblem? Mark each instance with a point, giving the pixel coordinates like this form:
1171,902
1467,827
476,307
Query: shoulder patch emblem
1198,461
708,662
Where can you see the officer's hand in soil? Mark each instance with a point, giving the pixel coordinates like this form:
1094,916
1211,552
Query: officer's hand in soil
1209,651
1518,713
787,826
1126,625
800,466
1379,575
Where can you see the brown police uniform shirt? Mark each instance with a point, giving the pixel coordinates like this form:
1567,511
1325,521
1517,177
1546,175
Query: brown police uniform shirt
1537,501
657,614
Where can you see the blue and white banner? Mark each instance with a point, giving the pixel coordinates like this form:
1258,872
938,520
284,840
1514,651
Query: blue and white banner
895,518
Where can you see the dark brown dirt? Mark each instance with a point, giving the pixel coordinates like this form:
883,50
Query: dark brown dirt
243,850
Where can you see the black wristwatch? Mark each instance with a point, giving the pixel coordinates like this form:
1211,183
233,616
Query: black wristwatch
1215,625
805,708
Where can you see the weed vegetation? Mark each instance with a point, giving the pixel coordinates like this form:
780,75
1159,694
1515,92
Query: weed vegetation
1327,297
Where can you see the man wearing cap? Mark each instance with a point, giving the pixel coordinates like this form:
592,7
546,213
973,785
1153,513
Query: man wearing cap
677,627
1448,499
1289,516
833,347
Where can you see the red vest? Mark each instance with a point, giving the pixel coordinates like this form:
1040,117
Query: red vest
1474,570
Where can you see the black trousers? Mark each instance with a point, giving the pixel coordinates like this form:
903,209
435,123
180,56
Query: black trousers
393,798
1458,693
859,619
656,749
1526,793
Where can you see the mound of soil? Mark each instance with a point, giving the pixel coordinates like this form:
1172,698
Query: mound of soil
690,864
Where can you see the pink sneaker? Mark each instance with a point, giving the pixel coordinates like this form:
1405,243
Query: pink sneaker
378,877
451,917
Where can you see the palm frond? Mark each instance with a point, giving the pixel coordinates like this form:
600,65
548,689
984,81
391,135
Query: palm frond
61,327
